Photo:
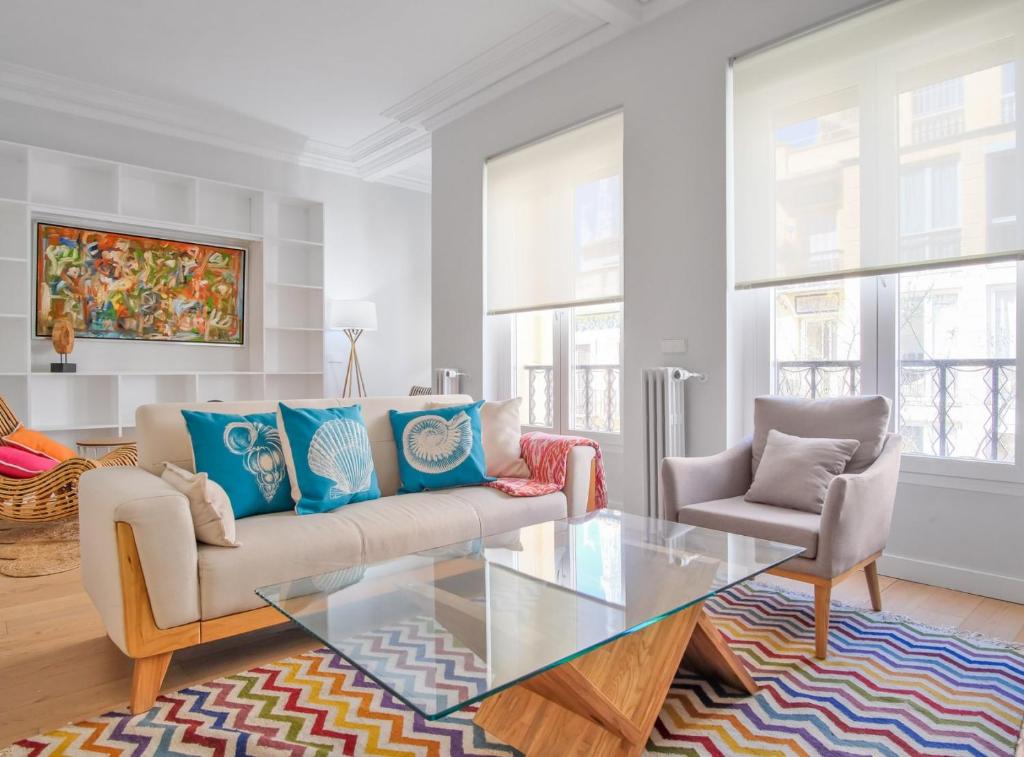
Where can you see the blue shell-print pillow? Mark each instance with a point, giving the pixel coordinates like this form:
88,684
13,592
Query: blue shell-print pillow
243,454
441,448
328,455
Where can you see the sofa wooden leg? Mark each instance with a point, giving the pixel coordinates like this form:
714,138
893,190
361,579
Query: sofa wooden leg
871,573
147,677
822,599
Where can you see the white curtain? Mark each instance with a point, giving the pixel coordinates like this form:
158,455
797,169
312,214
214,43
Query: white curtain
886,141
554,221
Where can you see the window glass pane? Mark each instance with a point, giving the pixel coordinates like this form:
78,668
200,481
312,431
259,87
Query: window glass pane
958,164
596,336
534,367
957,367
817,339
817,185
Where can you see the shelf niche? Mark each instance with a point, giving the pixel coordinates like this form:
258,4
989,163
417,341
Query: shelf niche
300,221
158,196
70,181
13,172
228,208
295,264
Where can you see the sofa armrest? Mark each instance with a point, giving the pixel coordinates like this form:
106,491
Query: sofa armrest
162,526
578,475
857,514
690,480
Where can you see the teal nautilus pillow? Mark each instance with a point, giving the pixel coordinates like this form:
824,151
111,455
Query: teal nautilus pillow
439,449
328,457
243,454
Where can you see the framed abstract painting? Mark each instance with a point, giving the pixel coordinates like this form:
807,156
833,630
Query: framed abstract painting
123,286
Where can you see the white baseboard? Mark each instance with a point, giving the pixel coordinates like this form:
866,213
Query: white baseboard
1009,588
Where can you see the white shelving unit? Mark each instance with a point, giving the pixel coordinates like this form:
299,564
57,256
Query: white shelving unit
284,353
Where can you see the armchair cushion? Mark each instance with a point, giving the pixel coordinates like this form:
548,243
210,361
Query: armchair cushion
863,418
796,471
738,516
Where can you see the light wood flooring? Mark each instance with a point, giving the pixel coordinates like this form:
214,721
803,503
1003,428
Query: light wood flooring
57,665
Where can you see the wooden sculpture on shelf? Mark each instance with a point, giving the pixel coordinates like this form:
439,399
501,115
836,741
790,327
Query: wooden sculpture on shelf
63,338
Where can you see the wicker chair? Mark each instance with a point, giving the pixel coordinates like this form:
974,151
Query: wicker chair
51,495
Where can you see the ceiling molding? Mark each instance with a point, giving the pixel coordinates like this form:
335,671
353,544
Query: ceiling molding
567,31
549,33
392,160
405,182
620,12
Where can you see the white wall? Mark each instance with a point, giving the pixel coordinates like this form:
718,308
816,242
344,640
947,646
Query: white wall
377,236
670,80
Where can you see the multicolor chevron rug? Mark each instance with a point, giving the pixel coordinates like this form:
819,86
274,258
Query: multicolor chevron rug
890,687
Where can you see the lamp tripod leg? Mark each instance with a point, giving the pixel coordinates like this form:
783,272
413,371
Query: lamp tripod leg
360,386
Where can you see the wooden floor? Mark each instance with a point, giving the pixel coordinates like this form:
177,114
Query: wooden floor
57,665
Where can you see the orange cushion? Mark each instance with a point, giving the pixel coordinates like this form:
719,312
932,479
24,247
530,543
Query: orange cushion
33,441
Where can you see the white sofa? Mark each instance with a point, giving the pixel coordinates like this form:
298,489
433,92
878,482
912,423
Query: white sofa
157,590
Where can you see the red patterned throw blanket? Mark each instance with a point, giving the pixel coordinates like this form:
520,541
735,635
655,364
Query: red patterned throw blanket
547,457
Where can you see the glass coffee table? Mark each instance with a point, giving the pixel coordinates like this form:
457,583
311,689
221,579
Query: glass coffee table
569,632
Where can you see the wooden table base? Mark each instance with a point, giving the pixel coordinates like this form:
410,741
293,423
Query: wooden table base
606,702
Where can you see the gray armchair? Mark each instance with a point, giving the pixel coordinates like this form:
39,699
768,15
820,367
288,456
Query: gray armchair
852,529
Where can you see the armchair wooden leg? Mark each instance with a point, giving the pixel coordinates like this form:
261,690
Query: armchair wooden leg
822,599
871,573
147,677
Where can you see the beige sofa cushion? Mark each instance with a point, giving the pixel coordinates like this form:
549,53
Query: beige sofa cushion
411,522
796,471
275,547
498,512
284,546
862,418
502,431
754,519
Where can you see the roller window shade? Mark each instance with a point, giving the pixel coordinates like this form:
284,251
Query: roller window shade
554,231
884,142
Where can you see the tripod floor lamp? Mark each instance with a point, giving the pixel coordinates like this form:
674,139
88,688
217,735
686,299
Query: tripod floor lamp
353,317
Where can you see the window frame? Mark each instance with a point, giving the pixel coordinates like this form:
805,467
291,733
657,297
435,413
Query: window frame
561,380
879,375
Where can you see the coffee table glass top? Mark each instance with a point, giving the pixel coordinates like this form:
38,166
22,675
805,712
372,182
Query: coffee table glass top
447,627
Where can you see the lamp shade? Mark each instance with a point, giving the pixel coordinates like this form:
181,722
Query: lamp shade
352,314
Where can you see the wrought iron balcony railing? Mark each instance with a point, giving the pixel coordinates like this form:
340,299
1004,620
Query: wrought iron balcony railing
817,378
595,389
988,404
942,402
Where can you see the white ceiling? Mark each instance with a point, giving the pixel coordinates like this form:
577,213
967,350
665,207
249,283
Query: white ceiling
348,85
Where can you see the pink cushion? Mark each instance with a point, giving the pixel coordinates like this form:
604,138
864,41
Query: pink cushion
17,463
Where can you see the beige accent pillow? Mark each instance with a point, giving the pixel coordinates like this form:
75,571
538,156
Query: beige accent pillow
795,472
212,516
501,429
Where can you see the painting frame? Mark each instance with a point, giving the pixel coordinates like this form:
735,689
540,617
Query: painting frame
154,242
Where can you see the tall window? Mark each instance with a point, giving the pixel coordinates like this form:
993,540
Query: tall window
554,275
877,194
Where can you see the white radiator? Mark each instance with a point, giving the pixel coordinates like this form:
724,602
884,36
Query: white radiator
447,381
664,413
